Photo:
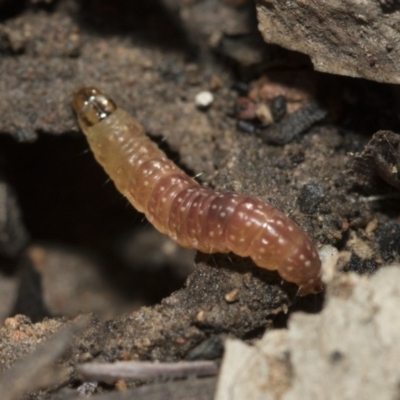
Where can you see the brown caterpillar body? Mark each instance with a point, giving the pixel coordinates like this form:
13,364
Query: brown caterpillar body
193,216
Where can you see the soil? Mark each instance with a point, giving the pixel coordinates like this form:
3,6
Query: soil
69,241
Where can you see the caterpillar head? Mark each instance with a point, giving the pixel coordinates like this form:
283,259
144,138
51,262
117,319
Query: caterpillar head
92,106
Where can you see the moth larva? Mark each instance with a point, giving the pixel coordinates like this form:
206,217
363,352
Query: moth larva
194,217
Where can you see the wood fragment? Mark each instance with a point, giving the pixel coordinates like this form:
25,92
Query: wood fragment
144,370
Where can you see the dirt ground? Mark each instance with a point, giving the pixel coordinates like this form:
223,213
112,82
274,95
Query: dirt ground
80,266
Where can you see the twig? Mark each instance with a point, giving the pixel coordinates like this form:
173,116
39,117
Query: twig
145,370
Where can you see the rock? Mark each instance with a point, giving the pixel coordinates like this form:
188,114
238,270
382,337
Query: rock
350,350
346,37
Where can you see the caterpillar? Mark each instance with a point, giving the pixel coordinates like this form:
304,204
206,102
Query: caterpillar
191,215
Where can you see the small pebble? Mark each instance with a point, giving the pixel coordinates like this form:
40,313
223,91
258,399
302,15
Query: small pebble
232,296
203,100
87,389
209,349
278,107
246,126
201,316
263,113
311,196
